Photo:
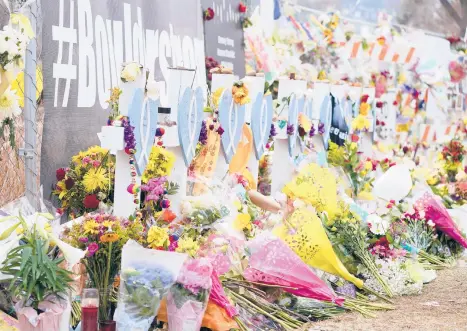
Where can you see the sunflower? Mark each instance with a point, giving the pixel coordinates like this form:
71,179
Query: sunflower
95,178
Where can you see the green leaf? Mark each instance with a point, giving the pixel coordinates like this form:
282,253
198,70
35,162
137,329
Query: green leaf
25,256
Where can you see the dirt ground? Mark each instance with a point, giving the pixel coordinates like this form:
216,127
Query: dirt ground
441,307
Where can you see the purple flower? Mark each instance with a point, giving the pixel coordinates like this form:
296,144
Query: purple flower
83,240
203,134
312,131
92,249
272,132
128,134
290,129
321,128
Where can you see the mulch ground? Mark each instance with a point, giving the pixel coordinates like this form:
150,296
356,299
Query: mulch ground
441,307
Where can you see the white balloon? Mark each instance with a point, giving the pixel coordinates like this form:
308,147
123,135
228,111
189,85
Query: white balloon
394,184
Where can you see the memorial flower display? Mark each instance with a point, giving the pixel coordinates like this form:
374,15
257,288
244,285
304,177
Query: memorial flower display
202,217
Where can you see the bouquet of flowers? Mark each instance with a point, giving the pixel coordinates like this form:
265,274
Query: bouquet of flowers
453,155
102,236
273,262
360,172
203,211
146,278
87,184
188,297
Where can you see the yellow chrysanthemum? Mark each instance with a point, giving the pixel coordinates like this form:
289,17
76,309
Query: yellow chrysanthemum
187,246
360,123
95,178
97,150
91,227
243,221
157,237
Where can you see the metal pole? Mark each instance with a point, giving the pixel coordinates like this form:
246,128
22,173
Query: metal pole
30,108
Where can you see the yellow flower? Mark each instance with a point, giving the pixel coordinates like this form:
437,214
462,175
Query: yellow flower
328,34
433,180
157,237
368,165
95,178
364,108
360,123
322,75
237,204
353,146
243,221
48,227
161,162
91,227
19,230
130,72
188,246
109,237
240,94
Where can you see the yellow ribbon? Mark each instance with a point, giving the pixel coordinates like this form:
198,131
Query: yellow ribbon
239,161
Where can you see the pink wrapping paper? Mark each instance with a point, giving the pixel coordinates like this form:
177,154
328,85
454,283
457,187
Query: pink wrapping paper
188,318
219,297
273,262
436,212
49,320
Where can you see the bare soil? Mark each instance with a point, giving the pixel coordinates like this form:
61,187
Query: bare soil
441,307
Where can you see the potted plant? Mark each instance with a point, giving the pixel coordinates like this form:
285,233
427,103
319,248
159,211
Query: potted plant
38,285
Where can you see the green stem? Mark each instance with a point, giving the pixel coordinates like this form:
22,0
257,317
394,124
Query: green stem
106,284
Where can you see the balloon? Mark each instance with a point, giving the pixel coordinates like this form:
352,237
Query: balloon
394,184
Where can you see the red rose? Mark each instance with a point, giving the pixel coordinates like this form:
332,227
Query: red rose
60,174
364,98
91,202
242,7
395,103
379,104
209,14
355,138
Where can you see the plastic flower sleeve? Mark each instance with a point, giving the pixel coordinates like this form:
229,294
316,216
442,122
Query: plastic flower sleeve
273,262
219,297
188,297
435,211
146,277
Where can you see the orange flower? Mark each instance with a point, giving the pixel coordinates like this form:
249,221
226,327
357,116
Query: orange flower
109,237
240,93
381,41
364,108
168,215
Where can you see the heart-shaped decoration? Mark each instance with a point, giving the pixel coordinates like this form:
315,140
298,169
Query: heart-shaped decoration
308,108
261,119
143,117
232,118
190,118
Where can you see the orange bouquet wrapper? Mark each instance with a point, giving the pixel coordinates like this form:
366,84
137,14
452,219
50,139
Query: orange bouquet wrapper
215,317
